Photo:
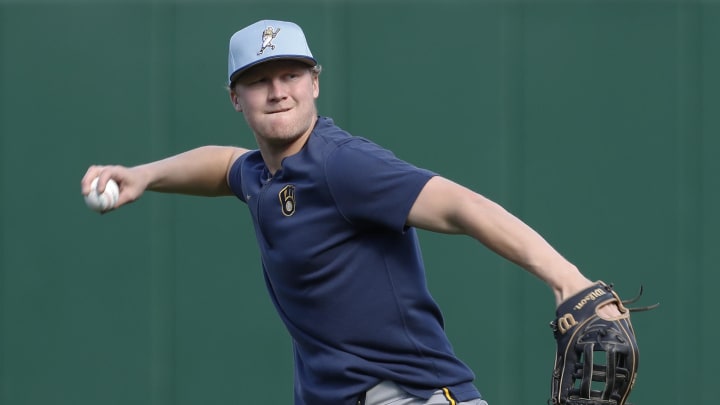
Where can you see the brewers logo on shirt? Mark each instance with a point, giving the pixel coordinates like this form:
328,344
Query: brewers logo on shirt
287,200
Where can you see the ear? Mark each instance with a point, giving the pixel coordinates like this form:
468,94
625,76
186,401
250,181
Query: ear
316,86
235,100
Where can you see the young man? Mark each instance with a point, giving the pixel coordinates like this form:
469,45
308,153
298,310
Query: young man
334,217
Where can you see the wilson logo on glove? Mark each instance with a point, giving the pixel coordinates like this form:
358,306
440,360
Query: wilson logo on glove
595,294
565,322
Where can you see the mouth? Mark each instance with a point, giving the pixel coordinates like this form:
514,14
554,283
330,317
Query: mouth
278,111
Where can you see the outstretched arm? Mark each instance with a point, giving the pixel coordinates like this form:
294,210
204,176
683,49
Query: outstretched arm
447,207
202,171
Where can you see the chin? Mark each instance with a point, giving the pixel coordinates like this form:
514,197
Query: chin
282,129
282,136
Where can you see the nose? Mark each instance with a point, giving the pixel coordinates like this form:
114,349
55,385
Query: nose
277,90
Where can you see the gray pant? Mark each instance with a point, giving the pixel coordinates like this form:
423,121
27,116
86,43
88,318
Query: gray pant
388,393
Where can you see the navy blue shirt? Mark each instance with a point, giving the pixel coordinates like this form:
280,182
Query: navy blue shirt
345,273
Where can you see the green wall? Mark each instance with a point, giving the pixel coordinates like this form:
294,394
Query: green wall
596,122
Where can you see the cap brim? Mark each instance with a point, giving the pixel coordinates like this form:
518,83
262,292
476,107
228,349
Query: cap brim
300,58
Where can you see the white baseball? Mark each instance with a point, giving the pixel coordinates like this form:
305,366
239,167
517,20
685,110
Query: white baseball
106,200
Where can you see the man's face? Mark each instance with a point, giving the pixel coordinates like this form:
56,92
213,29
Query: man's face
278,100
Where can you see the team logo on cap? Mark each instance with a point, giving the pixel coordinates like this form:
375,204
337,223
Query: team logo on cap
267,37
287,200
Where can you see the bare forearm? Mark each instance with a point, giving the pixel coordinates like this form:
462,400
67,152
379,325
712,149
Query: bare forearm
200,171
511,238
444,206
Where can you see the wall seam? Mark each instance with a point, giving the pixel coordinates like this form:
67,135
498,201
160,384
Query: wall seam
163,389
512,71
687,269
3,230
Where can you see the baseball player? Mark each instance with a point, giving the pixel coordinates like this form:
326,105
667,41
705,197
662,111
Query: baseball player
335,218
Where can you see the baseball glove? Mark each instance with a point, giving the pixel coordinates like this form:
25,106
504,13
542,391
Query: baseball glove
597,359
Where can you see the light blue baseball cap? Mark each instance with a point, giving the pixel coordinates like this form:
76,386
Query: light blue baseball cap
266,40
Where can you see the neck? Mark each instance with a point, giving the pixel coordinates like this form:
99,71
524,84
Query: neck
273,153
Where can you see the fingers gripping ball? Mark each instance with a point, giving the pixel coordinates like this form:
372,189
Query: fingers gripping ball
105,201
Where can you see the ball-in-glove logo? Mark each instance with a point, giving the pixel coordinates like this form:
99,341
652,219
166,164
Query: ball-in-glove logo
287,200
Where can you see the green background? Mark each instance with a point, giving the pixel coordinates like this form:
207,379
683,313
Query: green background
596,122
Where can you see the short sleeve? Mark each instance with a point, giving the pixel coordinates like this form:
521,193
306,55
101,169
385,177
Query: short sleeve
235,176
371,186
